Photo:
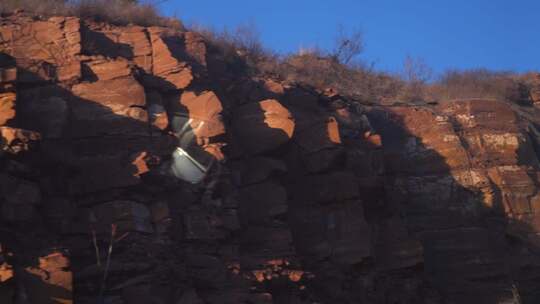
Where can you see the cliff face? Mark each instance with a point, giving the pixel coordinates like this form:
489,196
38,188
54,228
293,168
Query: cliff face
221,188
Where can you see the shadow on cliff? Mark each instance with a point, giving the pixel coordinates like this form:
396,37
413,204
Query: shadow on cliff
88,155
469,254
468,257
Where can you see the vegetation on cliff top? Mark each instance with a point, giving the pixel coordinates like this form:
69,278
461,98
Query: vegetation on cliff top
120,12
339,68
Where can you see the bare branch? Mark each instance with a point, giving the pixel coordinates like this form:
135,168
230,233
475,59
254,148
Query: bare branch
347,45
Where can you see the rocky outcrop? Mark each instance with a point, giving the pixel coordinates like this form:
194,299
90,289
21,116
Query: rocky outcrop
535,91
136,166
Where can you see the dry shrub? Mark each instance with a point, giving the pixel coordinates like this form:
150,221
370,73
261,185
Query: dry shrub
243,52
241,48
480,83
320,70
119,12
415,75
348,45
36,7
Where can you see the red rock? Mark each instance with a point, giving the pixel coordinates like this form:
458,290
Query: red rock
51,281
8,74
263,126
7,107
109,107
499,148
69,72
419,140
56,41
374,140
140,162
205,110
17,140
137,38
103,172
6,273
481,114
319,135
110,69
44,109
175,73
274,87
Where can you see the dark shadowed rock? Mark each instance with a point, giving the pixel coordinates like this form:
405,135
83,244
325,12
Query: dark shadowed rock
263,126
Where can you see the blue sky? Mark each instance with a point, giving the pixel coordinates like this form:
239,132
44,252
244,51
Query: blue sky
446,34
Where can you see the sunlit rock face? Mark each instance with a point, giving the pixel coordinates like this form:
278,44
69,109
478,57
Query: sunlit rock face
143,154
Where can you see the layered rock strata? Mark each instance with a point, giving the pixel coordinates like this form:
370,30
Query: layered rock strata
306,196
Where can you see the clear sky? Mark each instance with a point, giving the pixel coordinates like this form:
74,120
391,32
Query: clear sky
462,34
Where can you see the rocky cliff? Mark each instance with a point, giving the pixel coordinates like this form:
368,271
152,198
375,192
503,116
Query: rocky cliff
138,165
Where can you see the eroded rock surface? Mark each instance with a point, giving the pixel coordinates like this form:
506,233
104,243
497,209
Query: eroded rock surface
306,196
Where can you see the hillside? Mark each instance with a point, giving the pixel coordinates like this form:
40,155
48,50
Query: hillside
217,185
